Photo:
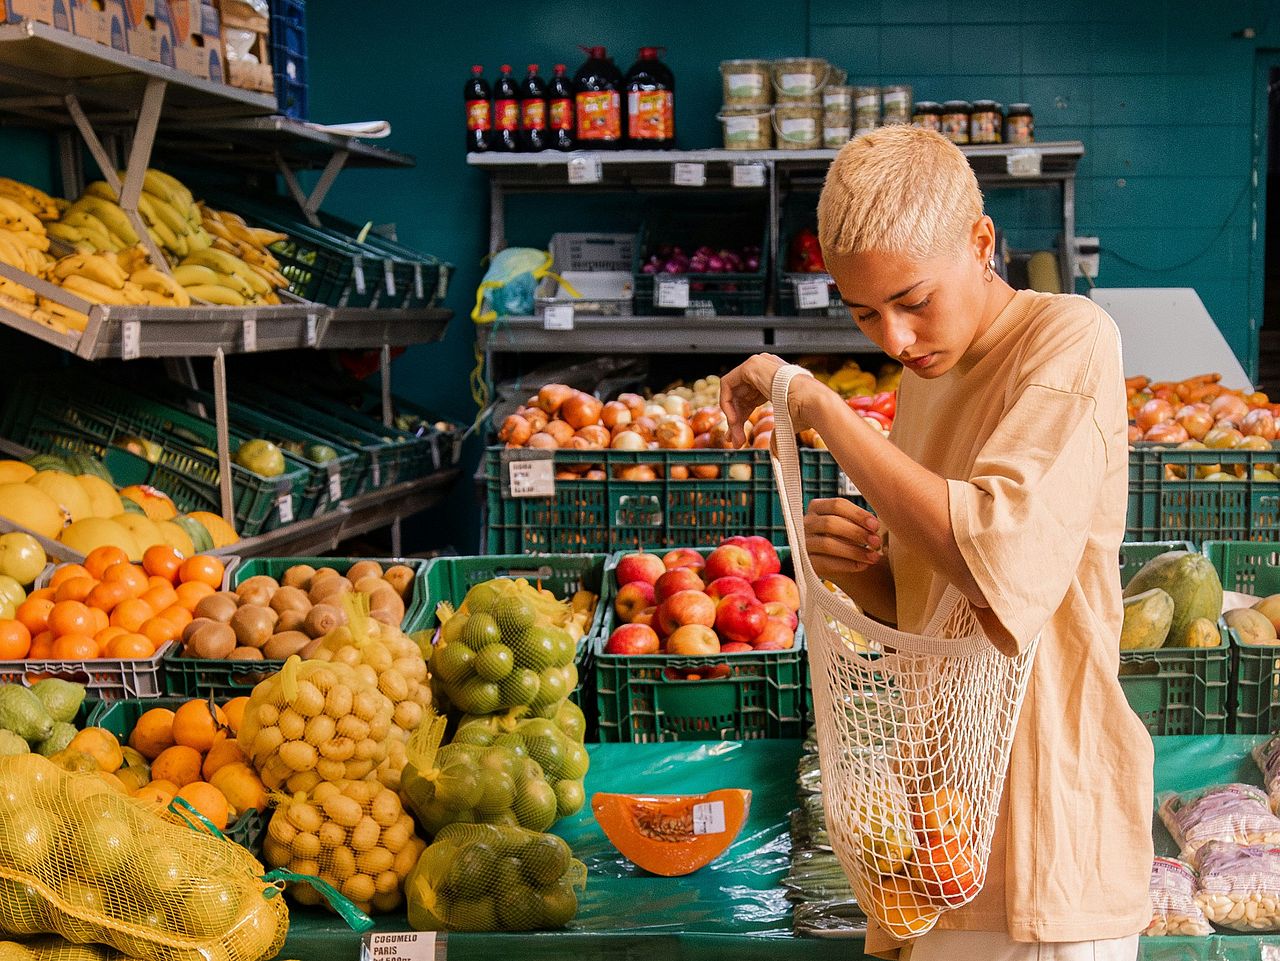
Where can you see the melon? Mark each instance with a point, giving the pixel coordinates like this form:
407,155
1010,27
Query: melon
223,534
176,537
14,471
103,499
666,834
1147,617
201,541
154,503
132,507
1192,582
47,462
87,464
93,532
69,495
144,530
31,507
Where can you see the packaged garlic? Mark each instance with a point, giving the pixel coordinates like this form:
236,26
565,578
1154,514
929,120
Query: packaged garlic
1232,813
1240,886
1174,910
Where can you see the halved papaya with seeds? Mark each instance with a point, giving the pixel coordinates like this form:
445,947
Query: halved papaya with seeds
672,834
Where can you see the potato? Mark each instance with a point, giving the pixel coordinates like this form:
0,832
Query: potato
1252,626
215,641
285,644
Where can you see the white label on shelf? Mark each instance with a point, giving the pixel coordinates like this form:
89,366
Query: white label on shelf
284,504
532,478
585,168
748,175
689,175
130,339
375,468
1269,952
400,946
811,294
673,292
1023,163
311,330
736,128
335,481
250,327
846,487
442,283
708,818
743,85
798,128
794,84
418,290
389,277
558,317
357,271
896,98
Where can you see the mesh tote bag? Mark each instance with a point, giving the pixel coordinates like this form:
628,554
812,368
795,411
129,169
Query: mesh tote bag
914,732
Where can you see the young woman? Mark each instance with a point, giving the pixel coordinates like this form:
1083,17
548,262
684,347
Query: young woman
1005,474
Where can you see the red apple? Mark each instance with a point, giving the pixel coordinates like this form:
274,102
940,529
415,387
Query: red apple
722,587
734,647
673,582
774,636
639,567
646,617
632,639
696,639
766,555
740,618
730,560
778,611
632,599
687,607
777,587
683,557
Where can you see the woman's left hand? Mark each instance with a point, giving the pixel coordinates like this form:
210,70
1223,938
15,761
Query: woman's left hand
745,388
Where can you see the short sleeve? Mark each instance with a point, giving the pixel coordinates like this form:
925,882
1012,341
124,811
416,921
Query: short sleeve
1022,518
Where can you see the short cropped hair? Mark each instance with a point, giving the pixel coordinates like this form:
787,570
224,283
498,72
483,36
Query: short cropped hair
901,190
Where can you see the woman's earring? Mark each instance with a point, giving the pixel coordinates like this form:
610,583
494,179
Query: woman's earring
990,273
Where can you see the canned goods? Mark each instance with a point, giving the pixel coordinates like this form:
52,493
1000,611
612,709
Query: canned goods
866,108
746,83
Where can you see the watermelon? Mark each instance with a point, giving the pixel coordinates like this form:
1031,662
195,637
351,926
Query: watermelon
201,540
48,462
87,464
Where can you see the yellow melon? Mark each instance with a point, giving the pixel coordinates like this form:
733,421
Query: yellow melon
31,507
93,532
144,530
15,471
68,494
176,537
103,498
154,503
223,534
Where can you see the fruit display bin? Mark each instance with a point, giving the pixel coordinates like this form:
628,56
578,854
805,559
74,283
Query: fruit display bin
104,678
1180,690
757,694
610,515
119,717
721,295
1163,504
202,677
1251,568
1134,554
448,442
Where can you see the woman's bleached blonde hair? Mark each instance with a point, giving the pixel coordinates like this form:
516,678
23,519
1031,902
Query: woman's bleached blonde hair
899,190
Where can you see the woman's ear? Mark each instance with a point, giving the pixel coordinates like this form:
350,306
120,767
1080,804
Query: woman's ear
983,240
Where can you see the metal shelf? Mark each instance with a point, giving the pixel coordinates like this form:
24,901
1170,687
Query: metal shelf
351,328
261,142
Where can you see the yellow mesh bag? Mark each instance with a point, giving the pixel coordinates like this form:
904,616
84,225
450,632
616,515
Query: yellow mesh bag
56,949
315,721
484,877
563,760
84,862
353,835
384,656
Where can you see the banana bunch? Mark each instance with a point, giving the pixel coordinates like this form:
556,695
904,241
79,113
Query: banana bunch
23,238
219,277
166,208
232,235
107,278
35,201
94,224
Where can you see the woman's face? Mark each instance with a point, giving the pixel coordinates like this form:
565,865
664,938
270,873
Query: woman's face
923,313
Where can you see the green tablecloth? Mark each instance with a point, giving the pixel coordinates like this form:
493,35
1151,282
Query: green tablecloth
734,907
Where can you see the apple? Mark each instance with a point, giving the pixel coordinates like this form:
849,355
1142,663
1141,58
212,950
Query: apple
722,587
740,618
697,639
774,636
730,560
22,557
766,555
646,617
639,567
673,582
778,611
632,599
632,639
683,557
687,607
777,587
734,647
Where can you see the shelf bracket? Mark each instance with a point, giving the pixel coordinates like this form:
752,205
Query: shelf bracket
310,203
222,430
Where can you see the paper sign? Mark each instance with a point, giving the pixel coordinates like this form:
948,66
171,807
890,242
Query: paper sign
558,317
846,487
311,330
748,175
689,175
812,294
401,946
585,169
130,340
284,504
335,481
532,478
376,469
389,278
673,292
250,325
708,818
1023,163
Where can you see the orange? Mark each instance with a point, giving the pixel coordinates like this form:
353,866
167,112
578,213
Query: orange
206,570
107,635
43,594
195,726
41,646
15,640
234,710
161,560
153,733
191,594
159,793
105,597
100,558
153,582
159,630
70,617
34,614
130,647
67,572
158,598
134,578
101,745
75,647
208,800
179,765
100,620
225,752
177,615
75,589
132,614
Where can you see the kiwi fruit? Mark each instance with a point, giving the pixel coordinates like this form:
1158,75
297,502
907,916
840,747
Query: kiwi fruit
322,573
216,607
362,569
253,625
284,645
329,587
400,577
256,583
291,621
298,576
322,619
290,599
194,626
368,584
386,607
245,654
310,649
259,595
214,641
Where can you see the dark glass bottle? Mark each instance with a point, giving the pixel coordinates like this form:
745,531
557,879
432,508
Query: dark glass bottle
479,111
506,112
533,112
560,110
651,108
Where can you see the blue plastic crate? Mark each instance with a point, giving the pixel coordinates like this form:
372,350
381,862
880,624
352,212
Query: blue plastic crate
289,56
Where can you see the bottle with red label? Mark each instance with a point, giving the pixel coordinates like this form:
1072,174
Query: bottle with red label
651,102
560,110
506,113
533,112
479,111
598,102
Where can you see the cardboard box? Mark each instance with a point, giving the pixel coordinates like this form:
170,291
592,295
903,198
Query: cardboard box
53,12
149,31
102,21
246,74
197,31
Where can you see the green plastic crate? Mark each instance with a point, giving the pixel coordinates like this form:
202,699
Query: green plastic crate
821,477
1133,555
1252,568
763,696
200,677
1165,506
119,717
1180,690
611,515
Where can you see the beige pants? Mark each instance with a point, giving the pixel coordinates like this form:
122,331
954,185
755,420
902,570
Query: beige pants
987,946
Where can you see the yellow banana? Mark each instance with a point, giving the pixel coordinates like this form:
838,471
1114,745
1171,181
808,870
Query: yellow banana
34,194
267,237
132,258
95,292
65,232
13,212
161,233
136,295
67,315
274,280
23,308
28,238
228,264
33,207
199,239
100,188
170,188
17,291
217,229
62,203
159,282
37,261
216,294
188,275
165,211
226,246
230,217
94,266
242,234
92,229
111,215
11,253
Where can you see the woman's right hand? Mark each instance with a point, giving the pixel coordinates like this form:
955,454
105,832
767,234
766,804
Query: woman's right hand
842,539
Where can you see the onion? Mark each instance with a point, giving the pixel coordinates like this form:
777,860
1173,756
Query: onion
634,402
596,435
720,436
645,426
543,441
1154,412
674,434
1196,422
1166,432
761,440
1228,406
581,443
701,441
536,416
1135,433
596,475
675,404
551,396
679,472
1222,438
567,475
581,410
704,418
740,472
637,472
764,410
628,440
765,423
561,431
655,410
1227,423
516,431
1259,423
1254,442
706,471
614,413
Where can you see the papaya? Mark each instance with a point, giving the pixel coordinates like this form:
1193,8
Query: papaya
1192,582
672,835
1202,632
1147,617
1252,627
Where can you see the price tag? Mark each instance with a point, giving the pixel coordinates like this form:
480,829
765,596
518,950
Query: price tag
673,292
376,469
418,290
357,272
389,278
402,946
846,487
250,326
1023,163
1269,952
709,818
748,175
689,175
532,478
585,168
442,284
558,317
335,481
284,504
130,339
812,294
311,330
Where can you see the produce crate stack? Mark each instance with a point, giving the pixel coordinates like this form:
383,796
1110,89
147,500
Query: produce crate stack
289,56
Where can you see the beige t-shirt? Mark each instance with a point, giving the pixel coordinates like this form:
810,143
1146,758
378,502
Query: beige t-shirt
1030,431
